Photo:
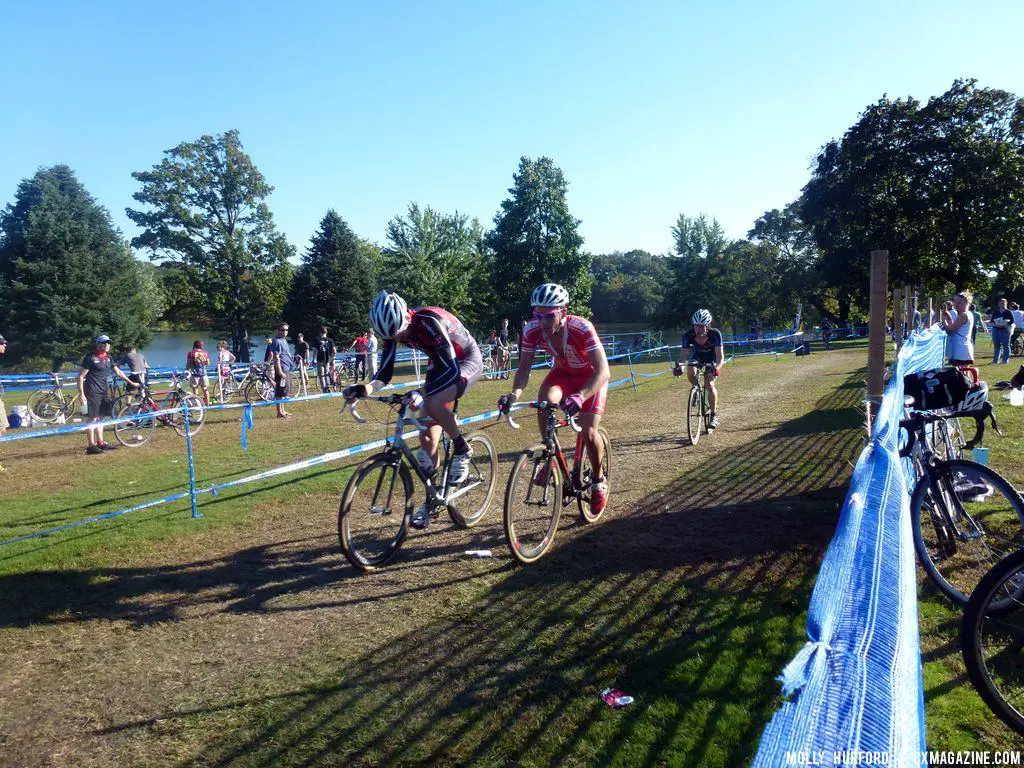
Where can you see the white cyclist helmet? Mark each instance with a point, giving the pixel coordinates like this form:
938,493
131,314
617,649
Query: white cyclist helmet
975,399
701,317
549,295
388,314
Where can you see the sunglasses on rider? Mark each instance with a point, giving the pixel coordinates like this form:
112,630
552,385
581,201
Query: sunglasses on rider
545,315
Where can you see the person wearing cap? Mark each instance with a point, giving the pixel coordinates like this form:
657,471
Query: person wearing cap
196,362
3,410
94,389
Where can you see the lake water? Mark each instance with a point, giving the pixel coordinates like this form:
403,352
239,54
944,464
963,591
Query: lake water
168,349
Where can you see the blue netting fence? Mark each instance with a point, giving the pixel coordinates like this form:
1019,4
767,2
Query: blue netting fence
855,688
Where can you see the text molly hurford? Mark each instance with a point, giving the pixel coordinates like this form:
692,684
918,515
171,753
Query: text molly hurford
929,758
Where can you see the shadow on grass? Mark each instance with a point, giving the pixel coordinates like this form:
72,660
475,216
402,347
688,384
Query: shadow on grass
692,604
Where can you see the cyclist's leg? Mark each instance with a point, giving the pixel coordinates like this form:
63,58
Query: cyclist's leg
552,389
709,383
691,371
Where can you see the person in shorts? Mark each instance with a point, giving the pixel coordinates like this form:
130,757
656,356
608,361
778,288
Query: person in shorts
702,347
196,362
301,360
94,390
281,367
578,381
325,353
225,357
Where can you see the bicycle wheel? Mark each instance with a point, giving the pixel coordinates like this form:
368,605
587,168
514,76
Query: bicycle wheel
694,417
586,476
473,497
45,405
196,413
533,504
373,518
992,640
947,438
132,434
966,517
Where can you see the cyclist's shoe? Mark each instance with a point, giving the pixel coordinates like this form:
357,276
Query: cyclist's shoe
93,450
598,497
107,447
420,518
713,424
460,467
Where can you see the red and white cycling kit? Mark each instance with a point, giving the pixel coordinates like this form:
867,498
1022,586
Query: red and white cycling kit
572,368
453,354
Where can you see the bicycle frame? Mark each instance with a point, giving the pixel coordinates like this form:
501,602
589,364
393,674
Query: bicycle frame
572,488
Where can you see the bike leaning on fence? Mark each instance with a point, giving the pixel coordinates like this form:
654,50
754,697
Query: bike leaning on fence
376,507
52,404
992,639
965,516
541,483
141,409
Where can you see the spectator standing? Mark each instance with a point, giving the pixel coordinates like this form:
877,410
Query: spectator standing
504,350
302,361
196,362
826,331
135,363
1002,329
371,352
492,351
325,352
979,322
360,344
94,389
1018,321
281,361
957,325
225,357
268,356
3,410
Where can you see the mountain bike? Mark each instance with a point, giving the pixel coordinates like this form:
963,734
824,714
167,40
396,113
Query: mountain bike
52,404
992,639
965,516
258,384
541,483
697,415
142,407
376,507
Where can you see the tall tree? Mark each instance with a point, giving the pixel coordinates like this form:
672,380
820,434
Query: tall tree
66,275
334,285
435,259
697,268
535,240
208,212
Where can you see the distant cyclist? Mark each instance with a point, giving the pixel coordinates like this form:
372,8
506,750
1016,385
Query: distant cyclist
579,379
702,345
455,364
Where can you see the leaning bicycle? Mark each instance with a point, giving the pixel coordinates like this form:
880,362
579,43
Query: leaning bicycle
965,516
541,483
142,413
52,404
992,639
376,508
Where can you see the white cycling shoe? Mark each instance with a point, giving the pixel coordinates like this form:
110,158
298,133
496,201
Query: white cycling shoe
460,467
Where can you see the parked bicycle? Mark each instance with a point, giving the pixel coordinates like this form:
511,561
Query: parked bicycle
965,516
53,404
376,508
992,639
541,483
141,407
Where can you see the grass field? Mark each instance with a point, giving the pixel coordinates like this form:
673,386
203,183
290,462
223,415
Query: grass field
245,639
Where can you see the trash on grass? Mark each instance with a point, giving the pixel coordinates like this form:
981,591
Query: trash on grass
479,552
613,697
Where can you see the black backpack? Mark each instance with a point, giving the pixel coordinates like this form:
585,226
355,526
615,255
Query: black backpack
937,389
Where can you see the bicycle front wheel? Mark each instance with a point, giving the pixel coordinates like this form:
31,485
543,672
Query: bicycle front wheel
196,413
587,474
533,504
373,518
966,517
132,434
694,415
992,640
471,499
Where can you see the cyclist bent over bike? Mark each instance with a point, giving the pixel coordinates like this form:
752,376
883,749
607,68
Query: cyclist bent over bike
705,346
455,364
579,380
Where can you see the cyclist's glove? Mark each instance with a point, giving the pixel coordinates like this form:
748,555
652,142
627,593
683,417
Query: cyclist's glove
677,370
505,403
717,371
353,391
572,404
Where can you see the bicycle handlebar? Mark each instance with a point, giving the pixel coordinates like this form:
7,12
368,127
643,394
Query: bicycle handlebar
387,400
544,406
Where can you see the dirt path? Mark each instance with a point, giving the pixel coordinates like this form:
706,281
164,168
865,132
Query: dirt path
92,672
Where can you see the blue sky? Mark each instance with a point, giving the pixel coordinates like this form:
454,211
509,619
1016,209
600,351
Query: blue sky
651,109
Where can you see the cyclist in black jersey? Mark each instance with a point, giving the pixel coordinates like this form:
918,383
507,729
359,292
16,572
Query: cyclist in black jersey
701,345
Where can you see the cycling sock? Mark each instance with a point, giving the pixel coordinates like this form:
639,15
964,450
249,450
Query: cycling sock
597,480
460,445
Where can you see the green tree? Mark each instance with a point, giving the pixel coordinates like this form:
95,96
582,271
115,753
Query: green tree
535,240
334,285
66,275
629,287
208,213
435,259
697,267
